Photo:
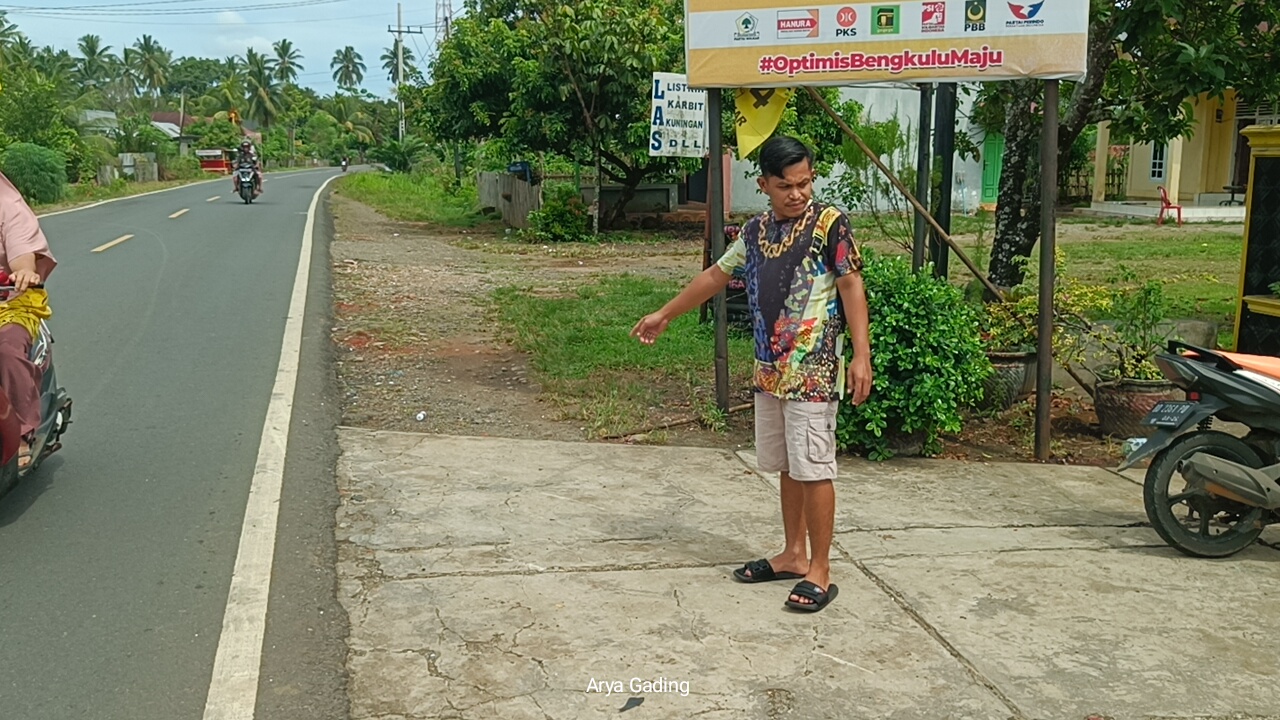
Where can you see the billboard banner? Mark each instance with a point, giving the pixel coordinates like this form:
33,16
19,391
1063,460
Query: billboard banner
777,43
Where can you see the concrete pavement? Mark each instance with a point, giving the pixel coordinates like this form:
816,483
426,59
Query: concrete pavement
526,579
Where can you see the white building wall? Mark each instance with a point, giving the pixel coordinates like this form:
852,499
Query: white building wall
879,103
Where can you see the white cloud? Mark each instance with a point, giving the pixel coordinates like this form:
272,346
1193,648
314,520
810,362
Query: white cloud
237,44
230,17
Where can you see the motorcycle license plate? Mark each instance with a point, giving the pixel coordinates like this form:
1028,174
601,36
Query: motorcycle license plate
1169,413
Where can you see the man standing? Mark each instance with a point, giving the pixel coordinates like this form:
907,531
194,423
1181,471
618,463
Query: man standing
803,275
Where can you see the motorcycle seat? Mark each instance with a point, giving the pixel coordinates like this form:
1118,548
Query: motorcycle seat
1261,364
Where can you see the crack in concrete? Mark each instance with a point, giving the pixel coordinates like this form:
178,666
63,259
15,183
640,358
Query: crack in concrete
952,650
1013,526
630,567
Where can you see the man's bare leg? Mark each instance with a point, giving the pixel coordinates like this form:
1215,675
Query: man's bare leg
820,519
794,556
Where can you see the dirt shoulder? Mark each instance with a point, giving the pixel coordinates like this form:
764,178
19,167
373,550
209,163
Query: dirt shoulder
419,346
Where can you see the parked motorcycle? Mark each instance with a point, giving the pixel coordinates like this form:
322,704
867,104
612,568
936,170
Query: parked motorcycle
246,182
1208,493
55,412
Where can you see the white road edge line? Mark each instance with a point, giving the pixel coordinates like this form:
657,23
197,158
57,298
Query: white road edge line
163,190
233,690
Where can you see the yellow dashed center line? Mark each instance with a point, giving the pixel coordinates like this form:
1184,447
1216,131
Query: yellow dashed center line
180,213
112,244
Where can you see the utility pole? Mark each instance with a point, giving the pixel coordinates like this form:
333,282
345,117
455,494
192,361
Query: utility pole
399,31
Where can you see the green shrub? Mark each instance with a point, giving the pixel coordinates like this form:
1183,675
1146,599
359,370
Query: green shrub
181,167
564,217
927,358
39,173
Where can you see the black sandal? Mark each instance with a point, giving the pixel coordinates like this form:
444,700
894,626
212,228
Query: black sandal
819,598
762,571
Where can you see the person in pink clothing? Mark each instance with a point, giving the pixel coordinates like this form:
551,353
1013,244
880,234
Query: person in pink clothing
25,259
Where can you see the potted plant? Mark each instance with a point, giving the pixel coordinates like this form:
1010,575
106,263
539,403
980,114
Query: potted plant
1128,383
1008,332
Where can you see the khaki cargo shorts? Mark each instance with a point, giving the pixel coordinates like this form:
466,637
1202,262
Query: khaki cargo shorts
795,437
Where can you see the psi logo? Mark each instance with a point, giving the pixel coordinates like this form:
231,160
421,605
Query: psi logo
975,15
933,18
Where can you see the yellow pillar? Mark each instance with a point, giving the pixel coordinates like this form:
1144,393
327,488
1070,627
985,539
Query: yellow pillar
1101,154
1173,169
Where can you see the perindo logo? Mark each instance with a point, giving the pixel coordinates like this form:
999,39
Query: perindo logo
846,20
747,27
975,15
886,20
933,17
1025,15
797,24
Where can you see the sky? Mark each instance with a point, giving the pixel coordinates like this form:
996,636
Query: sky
219,28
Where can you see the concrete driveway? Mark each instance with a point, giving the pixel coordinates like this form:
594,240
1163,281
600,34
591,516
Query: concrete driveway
498,578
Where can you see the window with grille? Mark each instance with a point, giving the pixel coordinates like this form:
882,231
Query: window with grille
1159,153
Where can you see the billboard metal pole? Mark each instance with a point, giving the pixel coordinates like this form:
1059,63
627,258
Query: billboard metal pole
945,151
1048,241
922,172
715,212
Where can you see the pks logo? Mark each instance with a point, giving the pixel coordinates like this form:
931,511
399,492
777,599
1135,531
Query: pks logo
975,16
933,18
846,19
1025,14
747,27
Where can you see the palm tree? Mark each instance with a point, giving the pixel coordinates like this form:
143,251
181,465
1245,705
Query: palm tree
288,61
229,93
18,52
95,62
348,68
264,101
9,33
346,111
55,65
151,64
391,64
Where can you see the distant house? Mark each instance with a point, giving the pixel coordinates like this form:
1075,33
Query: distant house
98,122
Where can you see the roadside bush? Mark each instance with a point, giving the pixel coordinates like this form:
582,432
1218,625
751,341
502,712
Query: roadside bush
563,217
180,167
927,357
39,173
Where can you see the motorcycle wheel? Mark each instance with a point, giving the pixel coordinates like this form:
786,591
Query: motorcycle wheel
1192,532
246,194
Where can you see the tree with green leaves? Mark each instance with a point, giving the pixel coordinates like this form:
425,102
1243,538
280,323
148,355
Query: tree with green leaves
390,61
264,99
96,63
150,64
1146,59
288,61
348,68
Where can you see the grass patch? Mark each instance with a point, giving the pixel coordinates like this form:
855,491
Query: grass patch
414,198
582,351
87,193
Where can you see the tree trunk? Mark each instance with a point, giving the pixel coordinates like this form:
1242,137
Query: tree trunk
1017,187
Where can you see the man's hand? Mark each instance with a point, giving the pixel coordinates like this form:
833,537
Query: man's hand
860,378
23,279
650,327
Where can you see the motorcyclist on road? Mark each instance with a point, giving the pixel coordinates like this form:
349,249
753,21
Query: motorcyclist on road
248,154
25,262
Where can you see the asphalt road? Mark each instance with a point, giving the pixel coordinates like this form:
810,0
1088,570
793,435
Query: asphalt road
116,556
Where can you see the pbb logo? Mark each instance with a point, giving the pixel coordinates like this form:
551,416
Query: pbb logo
1025,15
975,16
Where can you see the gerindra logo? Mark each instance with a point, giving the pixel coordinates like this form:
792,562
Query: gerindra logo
1025,14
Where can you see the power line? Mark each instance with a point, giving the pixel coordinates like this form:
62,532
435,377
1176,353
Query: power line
256,23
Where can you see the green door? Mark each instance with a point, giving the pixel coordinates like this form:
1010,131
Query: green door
992,161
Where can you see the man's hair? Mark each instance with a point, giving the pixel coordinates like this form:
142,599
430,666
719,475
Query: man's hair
781,152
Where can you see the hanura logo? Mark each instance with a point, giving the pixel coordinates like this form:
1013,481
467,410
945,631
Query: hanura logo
933,17
747,27
886,20
975,15
1025,15
847,19
797,24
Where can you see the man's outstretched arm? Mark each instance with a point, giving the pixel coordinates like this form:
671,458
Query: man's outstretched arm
703,288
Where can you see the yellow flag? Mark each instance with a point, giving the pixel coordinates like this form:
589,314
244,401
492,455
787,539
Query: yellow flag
757,112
